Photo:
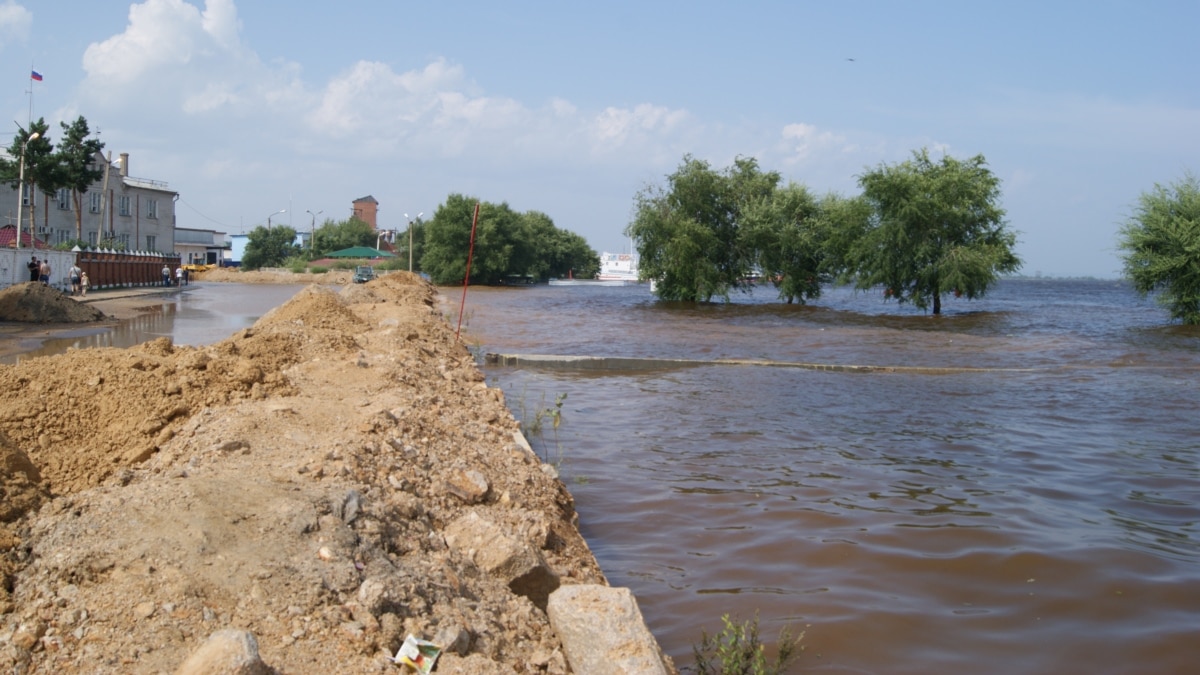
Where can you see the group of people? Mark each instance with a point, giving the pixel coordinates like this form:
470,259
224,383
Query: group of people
39,271
181,276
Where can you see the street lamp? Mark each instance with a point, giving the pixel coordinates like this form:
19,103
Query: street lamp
312,229
410,224
21,187
272,216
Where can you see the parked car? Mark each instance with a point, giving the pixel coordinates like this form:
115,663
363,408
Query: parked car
363,274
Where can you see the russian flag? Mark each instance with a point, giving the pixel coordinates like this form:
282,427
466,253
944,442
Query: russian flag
35,75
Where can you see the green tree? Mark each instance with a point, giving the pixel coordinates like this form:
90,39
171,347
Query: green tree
269,248
1162,247
76,167
418,244
690,234
557,252
337,235
507,244
936,228
40,165
787,231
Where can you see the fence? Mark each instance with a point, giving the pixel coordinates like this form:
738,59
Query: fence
105,268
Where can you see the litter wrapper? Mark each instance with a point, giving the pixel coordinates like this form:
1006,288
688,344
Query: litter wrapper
418,654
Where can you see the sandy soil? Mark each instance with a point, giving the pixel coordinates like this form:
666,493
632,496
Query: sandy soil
306,480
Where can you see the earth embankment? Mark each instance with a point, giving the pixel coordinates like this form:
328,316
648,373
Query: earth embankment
332,479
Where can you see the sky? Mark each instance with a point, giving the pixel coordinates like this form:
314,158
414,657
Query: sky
249,108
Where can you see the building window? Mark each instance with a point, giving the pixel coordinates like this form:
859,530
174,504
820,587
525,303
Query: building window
91,240
151,242
94,201
63,197
64,236
152,209
123,240
25,195
123,206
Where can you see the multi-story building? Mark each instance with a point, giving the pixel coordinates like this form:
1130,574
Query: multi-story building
366,209
119,211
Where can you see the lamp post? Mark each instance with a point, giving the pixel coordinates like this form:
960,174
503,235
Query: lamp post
312,229
272,216
410,225
21,187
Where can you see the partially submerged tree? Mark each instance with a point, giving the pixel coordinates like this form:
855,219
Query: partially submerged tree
690,234
1162,247
936,228
507,244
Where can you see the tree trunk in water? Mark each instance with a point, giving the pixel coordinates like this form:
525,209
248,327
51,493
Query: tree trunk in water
937,303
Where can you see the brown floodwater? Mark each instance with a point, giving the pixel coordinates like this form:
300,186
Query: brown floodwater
1036,513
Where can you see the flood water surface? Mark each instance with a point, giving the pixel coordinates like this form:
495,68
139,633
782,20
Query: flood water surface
1035,513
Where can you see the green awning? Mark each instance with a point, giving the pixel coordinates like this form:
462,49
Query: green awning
360,252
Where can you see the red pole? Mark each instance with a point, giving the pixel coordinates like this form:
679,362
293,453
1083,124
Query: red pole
470,253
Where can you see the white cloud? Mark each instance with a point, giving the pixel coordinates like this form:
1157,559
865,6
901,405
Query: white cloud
15,23
615,127
194,58
801,142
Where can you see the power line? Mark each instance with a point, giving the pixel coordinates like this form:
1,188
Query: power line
197,211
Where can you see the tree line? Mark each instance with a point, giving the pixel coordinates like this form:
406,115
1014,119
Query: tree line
920,229
509,245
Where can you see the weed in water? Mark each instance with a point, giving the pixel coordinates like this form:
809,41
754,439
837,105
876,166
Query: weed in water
737,650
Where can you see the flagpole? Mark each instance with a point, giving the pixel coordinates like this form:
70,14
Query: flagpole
29,120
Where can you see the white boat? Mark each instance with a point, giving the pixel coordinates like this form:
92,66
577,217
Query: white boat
618,267
590,282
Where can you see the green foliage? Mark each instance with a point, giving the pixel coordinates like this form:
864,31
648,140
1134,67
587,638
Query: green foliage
269,248
1161,242
401,246
537,426
711,232
737,650
41,169
318,269
70,244
394,263
296,264
693,235
936,227
507,244
77,169
333,236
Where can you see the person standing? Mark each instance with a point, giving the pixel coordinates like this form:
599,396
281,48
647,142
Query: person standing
179,276
74,275
166,274
35,268
44,273
84,283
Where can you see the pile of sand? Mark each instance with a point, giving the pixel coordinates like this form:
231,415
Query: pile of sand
33,302
273,276
309,480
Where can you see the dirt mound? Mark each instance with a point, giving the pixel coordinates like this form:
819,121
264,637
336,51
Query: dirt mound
313,479
272,276
32,302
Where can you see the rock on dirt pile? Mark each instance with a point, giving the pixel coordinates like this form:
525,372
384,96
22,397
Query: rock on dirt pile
320,485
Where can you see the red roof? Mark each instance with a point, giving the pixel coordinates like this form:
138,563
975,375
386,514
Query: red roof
8,237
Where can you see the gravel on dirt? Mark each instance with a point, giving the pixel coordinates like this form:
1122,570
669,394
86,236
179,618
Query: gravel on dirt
326,482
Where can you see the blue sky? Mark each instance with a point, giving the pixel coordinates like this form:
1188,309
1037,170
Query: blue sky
246,108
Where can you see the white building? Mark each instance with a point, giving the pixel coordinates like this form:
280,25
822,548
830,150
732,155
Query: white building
136,214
